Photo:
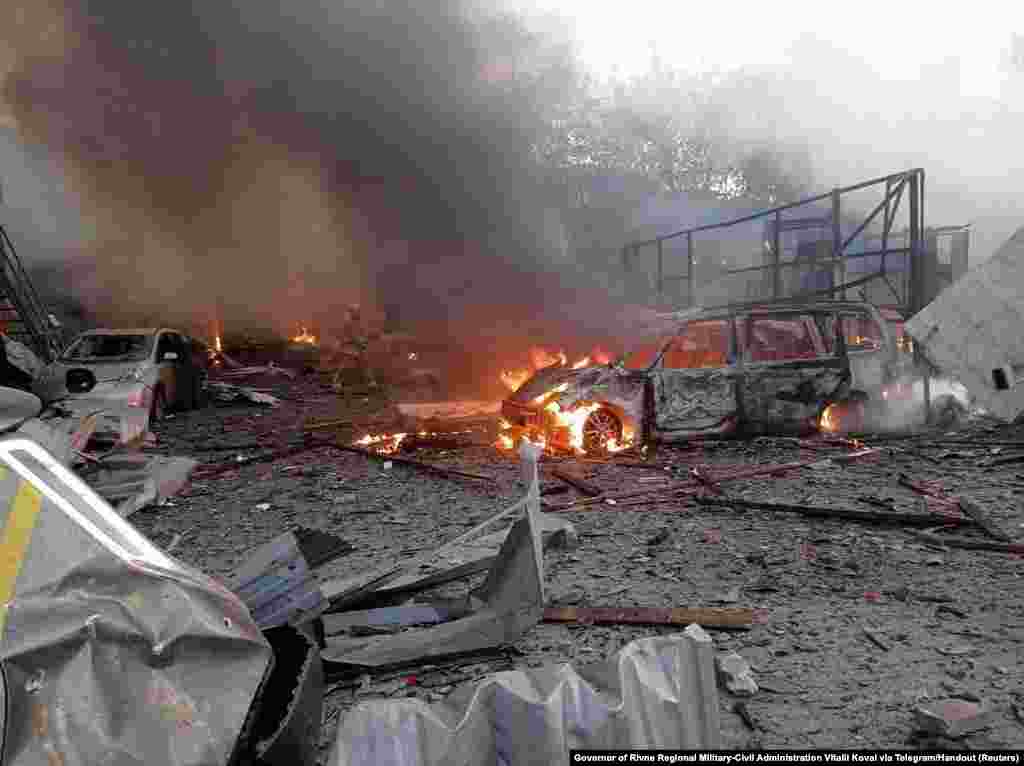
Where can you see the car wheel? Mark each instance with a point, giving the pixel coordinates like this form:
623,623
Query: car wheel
599,427
158,409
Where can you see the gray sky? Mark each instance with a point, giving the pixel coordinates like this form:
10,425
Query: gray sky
873,87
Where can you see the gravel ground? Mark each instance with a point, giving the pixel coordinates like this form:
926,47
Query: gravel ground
952,620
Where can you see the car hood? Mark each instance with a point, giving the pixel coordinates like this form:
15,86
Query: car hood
104,371
551,377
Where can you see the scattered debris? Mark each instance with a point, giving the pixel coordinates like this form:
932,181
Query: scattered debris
967,543
655,693
131,482
740,708
953,718
876,638
706,617
982,519
277,584
577,481
432,467
509,602
227,393
847,514
735,674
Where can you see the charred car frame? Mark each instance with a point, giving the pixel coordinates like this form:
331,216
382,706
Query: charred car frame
716,372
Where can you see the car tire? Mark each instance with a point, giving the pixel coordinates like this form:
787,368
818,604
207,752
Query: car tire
158,409
601,425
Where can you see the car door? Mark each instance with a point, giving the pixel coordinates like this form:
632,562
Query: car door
788,376
694,387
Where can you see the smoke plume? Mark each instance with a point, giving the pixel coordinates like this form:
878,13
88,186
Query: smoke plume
267,164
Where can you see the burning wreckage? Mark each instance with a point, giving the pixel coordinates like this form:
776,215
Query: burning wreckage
213,674
759,370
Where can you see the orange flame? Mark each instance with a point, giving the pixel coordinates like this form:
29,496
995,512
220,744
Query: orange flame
584,362
217,345
556,390
383,443
304,336
513,379
829,420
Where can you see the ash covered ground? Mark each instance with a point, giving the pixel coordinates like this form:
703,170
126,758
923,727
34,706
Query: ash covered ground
861,623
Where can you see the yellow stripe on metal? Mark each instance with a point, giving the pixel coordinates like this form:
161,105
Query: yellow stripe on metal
17,534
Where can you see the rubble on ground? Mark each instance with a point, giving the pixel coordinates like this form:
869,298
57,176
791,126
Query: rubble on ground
849,582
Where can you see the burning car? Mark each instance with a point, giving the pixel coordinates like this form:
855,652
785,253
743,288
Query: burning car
705,372
150,369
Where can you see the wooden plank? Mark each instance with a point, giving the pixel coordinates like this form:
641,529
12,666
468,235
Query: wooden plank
433,468
641,615
846,514
968,544
574,479
981,517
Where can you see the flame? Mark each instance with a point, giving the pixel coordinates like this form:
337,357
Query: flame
556,390
384,443
305,336
829,420
504,442
217,344
562,358
599,356
584,362
513,379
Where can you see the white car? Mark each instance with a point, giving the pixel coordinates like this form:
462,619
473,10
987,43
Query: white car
151,369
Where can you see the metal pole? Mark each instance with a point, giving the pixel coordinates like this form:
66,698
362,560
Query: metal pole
837,241
689,268
921,229
777,256
661,274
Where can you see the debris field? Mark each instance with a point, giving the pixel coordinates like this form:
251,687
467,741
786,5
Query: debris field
873,582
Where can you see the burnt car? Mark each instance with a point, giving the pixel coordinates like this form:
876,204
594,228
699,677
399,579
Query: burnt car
706,372
109,370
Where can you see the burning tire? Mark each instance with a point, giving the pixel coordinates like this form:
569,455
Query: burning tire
601,426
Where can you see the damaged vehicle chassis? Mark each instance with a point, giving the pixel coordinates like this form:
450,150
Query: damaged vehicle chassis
715,372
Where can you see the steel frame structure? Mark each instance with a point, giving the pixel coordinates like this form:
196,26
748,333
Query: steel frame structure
894,188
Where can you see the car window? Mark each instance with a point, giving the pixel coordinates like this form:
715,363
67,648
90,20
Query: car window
109,348
780,339
700,344
904,343
862,332
644,355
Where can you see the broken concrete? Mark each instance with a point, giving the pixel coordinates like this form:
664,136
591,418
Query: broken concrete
953,718
972,331
655,693
735,674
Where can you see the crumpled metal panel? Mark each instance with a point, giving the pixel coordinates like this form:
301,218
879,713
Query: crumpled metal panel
131,482
16,407
276,583
507,605
656,693
694,400
112,652
785,398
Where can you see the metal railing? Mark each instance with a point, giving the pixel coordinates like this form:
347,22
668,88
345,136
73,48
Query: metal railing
32,325
843,226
